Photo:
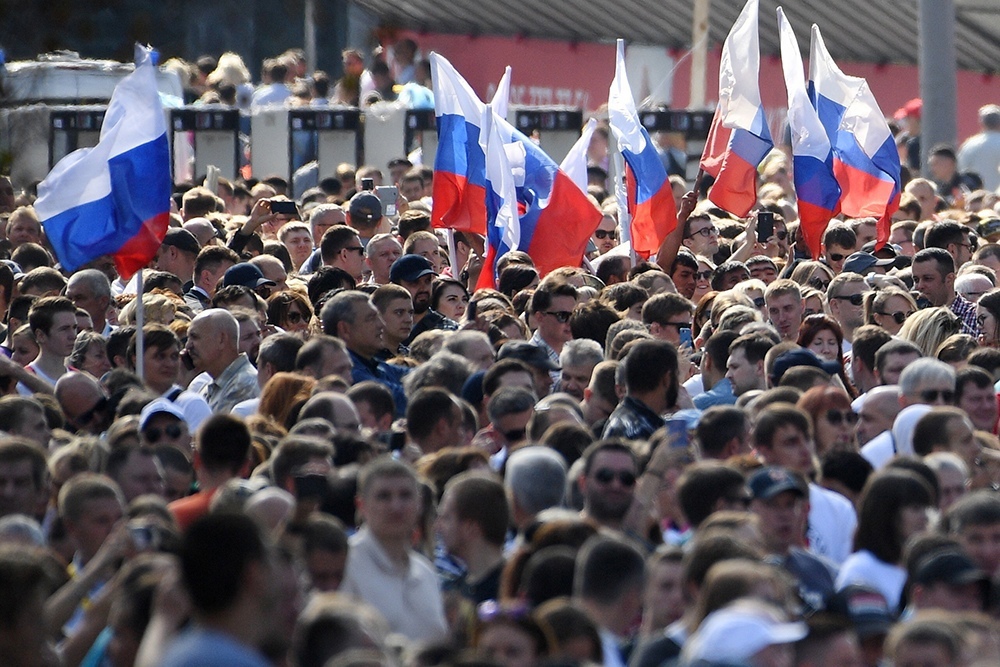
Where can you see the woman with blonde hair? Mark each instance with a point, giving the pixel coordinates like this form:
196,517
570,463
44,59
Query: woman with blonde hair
157,308
812,274
930,327
889,308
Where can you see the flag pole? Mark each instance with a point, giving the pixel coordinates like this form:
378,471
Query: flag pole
621,195
140,317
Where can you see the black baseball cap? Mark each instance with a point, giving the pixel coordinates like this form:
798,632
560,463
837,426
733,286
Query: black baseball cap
182,239
245,274
410,268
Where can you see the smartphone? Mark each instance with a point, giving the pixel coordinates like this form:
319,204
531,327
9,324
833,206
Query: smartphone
283,206
397,441
387,195
311,486
678,427
368,184
186,360
765,226
144,538
686,338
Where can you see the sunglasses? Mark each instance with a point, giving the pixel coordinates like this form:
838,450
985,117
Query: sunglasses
602,234
855,299
153,435
515,435
818,284
99,408
835,257
703,275
606,476
931,395
562,316
898,317
358,249
706,232
837,417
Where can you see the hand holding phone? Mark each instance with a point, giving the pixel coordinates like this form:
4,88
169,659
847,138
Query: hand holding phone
765,226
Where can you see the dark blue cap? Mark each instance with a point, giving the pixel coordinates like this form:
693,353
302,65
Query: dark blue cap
410,268
245,274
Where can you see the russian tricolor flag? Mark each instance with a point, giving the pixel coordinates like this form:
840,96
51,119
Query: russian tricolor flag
816,188
459,190
739,137
865,160
114,198
650,197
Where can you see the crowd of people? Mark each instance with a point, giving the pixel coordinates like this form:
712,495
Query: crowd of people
328,447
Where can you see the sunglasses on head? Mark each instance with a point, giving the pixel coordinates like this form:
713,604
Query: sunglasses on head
931,395
606,476
602,234
838,417
855,299
898,317
153,435
562,316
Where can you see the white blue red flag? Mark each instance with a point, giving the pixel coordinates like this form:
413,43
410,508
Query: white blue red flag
114,198
651,199
865,159
816,189
739,137
575,162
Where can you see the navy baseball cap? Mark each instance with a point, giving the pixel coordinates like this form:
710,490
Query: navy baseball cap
768,482
365,207
410,268
245,274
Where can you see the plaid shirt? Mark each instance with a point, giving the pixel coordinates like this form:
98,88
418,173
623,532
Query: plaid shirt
966,311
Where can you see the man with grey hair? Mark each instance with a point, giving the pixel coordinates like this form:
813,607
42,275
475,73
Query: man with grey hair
351,316
380,252
980,153
924,382
535,480
444,369
90,290
578,359
474,345
213,347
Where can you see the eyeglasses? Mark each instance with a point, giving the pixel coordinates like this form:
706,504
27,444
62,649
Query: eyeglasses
706,232
153,435
818,284
703,275
562,316
606,476
898,317
602,234
99,408
838,417
855,299
932,395
358,249
835,257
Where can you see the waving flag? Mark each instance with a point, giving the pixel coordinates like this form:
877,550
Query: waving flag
739,138
865,160
114,198
575,162
816,188
651,199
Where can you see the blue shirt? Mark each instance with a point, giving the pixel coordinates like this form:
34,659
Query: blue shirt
386,374
200,647
720,394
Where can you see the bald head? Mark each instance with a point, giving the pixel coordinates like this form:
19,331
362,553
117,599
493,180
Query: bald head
335,408
202,229
80,397
878,412
213,340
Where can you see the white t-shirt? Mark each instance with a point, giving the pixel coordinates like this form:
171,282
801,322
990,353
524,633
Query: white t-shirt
864,568
832,521
879,450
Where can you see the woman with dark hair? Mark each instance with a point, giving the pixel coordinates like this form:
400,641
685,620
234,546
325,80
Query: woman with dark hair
517,277
511,636
893,508
822,335
834,420
291,311
988,318
450,298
